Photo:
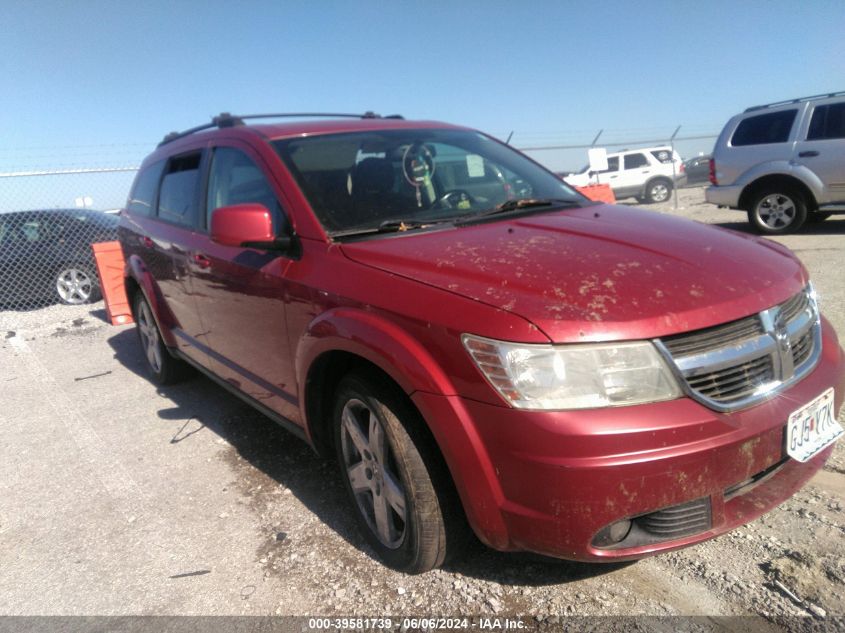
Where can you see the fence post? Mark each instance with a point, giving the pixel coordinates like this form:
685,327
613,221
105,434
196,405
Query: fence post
674,175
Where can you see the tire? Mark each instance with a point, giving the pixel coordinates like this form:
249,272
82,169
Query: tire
817,217
658,190
163,368
76,284
397,484
777,210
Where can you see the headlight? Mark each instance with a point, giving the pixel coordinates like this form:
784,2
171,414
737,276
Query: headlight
576,376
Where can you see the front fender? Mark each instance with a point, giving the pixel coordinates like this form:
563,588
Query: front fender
137,271
403,358
376,339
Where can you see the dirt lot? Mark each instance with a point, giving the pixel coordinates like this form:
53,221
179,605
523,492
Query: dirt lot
117,498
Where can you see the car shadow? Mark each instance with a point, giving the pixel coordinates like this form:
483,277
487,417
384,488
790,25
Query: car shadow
314,481
834,225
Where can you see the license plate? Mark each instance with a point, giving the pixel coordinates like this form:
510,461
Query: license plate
812,428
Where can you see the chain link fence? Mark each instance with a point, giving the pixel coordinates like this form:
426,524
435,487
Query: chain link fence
50,217
48,221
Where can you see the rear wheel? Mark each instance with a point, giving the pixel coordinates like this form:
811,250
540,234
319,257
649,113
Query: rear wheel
387,465
777,211
163,368
658,190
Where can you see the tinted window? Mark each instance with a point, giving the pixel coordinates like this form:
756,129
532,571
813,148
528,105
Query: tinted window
773,127
143,191
236,179
20,229
356,181
633,161
828,122
177,200
663,155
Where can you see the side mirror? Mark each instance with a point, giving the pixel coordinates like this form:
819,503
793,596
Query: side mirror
247,225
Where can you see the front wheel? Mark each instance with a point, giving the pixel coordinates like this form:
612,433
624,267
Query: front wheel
76,284
398,495
777,211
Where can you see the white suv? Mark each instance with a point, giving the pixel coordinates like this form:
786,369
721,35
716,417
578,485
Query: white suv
647,174
783,163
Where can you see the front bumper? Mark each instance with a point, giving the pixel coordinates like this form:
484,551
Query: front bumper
549,482
723,196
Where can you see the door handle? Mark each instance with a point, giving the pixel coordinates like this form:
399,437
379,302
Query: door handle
201,260
808,154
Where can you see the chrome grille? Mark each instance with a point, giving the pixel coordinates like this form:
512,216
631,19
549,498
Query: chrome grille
704,340
734,382
740,363
802,348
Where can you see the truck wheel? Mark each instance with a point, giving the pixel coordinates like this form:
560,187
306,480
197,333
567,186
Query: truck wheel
777,211
397,493
658,190
164,369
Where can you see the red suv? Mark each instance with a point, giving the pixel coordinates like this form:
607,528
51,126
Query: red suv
475,342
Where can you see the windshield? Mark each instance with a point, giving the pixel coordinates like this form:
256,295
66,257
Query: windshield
363,180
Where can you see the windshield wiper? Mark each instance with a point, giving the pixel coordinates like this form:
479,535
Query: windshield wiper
522,203
392,226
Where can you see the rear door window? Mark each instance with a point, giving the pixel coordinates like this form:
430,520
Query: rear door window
177,199
828,122
635,161
762,129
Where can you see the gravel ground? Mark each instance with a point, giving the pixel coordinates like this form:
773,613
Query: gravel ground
282,525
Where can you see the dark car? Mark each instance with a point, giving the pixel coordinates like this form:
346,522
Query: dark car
697,170
46,257
475,342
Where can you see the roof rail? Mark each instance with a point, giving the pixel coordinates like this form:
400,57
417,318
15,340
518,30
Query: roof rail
798,100
225,119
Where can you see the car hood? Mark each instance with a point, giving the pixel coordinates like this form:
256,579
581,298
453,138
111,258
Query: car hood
595,273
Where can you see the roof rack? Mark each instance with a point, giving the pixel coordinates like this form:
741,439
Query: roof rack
225,119
798,100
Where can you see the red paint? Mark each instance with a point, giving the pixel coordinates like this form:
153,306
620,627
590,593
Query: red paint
240,223
541,481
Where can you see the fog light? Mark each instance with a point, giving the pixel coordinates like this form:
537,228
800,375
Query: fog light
613,534
619,530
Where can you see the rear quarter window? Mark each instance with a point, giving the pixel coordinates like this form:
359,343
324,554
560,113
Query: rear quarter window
828,122
763,129
663,155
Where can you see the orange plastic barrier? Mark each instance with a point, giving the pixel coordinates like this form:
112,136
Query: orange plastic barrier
600,193
109,258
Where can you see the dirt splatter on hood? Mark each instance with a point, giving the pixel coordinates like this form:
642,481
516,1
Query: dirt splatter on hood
597,273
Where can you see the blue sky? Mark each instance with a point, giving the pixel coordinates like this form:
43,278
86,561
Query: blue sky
99,83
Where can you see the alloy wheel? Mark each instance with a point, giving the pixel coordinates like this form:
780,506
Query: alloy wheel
148,332
659,192
370,466
776,211
74,286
